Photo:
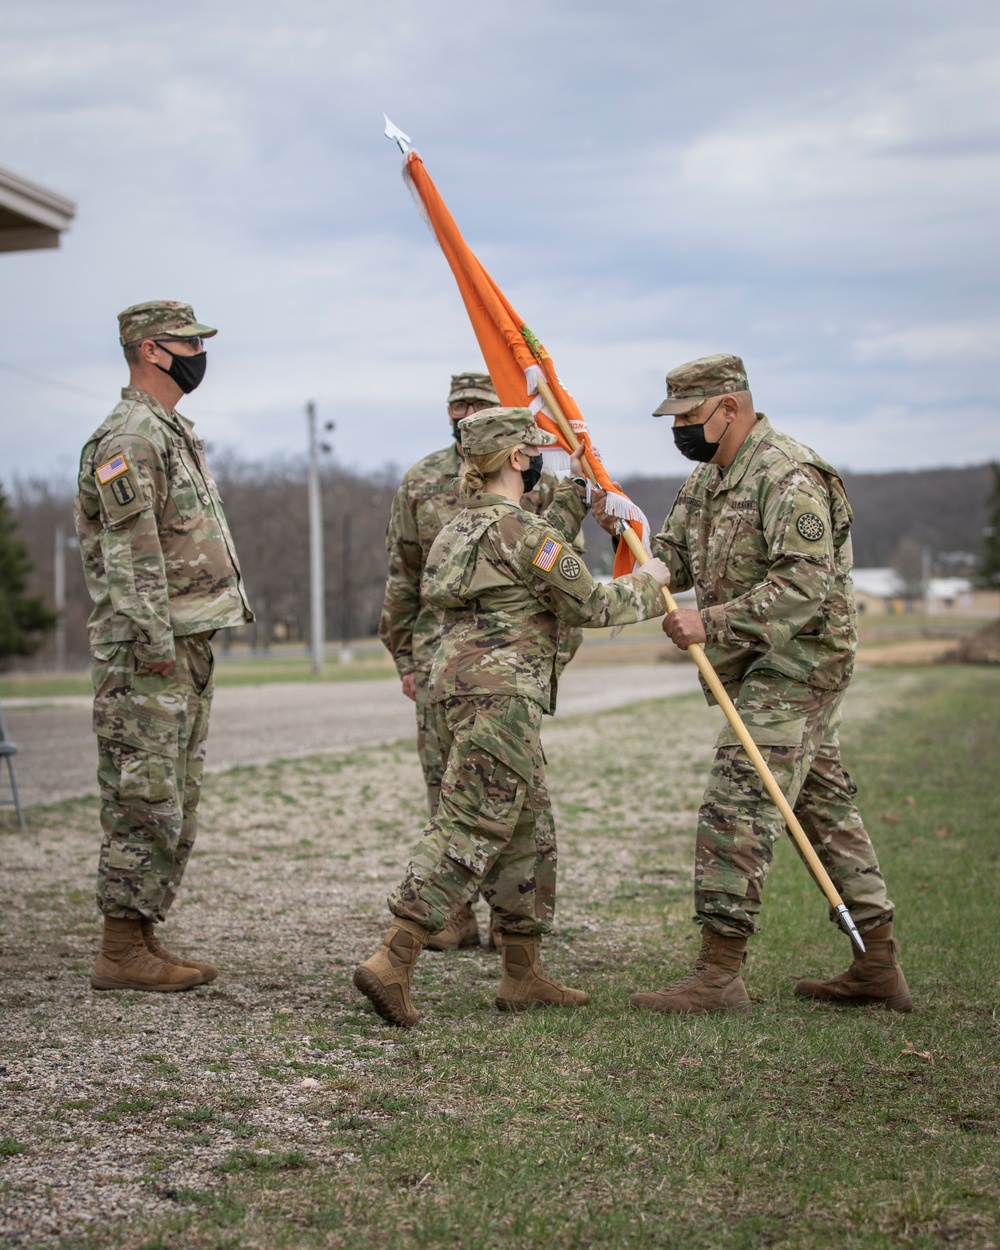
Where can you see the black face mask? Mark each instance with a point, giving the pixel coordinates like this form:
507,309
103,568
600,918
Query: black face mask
186,371
691,442
456,431
532,473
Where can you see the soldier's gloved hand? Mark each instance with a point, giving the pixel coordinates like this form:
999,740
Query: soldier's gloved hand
165,668
409,685
683,627
657,570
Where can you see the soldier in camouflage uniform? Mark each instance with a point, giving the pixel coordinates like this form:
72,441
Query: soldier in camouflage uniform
504,579
761,530
162,571
410,628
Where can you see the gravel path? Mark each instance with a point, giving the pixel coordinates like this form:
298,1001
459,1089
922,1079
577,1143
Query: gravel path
255,724
123,1115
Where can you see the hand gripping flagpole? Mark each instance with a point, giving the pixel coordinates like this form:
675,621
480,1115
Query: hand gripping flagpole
697,651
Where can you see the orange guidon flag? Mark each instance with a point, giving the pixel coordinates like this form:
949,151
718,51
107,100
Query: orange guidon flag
514,356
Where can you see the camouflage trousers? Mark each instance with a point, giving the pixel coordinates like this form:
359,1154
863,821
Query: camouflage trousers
493,831
151,733
796,728
432,756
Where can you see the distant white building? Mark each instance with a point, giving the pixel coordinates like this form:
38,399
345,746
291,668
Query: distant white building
882,584
882,590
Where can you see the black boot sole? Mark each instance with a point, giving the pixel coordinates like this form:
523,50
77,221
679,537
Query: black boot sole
387,1007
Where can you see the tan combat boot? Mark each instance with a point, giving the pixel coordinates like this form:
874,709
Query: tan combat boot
461,932
125,963
525,983
714,984
155,947
385,978
874,977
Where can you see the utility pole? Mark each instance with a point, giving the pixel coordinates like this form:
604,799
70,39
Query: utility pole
316,588
345,591
60,597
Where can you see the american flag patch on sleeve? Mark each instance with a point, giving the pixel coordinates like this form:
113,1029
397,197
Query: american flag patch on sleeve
548,553
113,468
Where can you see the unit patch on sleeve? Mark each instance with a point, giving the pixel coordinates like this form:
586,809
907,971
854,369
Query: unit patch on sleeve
547,555
570,568
118,486
811,527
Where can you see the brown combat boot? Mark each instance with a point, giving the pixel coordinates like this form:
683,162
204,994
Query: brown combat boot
385,978
525,983
155,947
125,963
461,932
874,977
713,984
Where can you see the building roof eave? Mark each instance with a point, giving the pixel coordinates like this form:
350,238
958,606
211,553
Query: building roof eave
31,216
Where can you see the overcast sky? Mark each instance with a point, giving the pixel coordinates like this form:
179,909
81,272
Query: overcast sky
813,186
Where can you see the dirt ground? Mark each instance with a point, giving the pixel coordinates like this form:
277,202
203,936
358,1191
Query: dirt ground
120,1104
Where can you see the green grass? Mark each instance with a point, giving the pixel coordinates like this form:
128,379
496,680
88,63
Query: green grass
796,1125
238,671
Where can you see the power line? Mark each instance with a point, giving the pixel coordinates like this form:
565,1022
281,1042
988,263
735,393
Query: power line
44,381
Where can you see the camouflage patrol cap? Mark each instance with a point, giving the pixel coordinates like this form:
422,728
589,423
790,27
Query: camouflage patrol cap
691,384
493,429
157,317
472,386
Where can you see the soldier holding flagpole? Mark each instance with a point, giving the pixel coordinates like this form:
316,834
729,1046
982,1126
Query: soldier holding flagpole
761,530
410,627
504,579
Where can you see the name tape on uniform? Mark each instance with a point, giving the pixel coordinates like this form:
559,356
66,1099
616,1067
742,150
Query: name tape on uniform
114,468
547,555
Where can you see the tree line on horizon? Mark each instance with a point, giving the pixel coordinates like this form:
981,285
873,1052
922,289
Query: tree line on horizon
951,515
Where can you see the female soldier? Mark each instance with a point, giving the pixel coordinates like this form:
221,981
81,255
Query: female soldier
507,578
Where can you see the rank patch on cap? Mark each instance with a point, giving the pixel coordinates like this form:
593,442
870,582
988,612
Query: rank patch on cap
811,527
547,555
114,468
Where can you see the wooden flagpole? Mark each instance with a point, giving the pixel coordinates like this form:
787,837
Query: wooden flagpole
697,651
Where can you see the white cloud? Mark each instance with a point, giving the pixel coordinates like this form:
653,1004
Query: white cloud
824,203
939,342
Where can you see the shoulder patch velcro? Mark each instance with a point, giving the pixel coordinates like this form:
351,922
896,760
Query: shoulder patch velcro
570,568
119,489
547,555
811,527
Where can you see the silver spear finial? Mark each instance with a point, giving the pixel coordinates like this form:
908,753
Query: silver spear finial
394,132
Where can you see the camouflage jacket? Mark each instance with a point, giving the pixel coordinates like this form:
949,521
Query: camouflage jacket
504,580
157,553
767,546
427,499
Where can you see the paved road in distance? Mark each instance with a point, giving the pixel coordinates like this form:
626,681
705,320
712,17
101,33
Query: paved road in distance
254,724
